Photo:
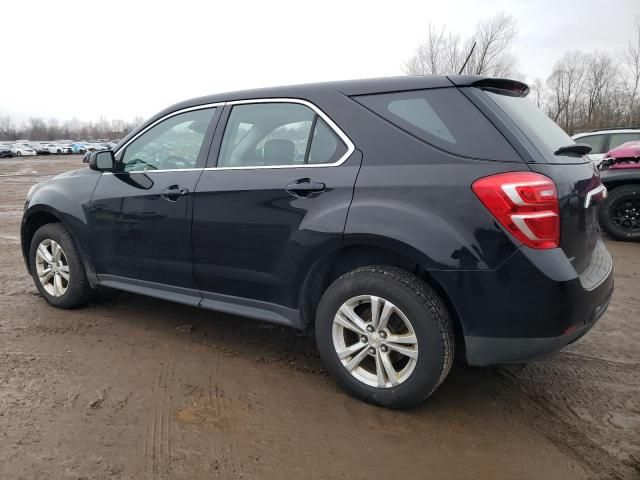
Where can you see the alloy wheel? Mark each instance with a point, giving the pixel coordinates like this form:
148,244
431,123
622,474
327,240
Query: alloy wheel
625,213
52,268
375,341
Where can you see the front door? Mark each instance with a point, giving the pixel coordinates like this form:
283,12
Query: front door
141,214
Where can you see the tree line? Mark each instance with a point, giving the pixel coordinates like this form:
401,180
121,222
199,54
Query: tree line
585,90
38,129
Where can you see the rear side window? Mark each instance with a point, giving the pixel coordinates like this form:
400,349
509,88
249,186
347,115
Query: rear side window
618,139
596,142
444,118
278,134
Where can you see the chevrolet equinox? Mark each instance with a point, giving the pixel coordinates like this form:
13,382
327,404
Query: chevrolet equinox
404,220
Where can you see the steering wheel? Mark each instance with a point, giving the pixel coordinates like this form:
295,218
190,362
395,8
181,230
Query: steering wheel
173,162
137,161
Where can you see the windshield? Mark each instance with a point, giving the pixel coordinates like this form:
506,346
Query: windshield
543,132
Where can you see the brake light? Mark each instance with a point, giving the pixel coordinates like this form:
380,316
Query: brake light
525,203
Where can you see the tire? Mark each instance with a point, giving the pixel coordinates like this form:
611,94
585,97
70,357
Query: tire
413,300
622,201
18,154
76,290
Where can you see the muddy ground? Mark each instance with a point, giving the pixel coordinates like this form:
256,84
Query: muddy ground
115,390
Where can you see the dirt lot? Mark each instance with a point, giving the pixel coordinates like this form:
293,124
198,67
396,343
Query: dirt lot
115,390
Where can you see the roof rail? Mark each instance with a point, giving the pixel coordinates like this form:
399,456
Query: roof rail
633,127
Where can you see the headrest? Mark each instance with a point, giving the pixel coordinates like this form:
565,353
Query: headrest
279,152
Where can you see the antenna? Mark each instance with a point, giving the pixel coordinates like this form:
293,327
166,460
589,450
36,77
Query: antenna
473,47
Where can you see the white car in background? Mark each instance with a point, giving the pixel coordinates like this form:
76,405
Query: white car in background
52,148
601,141
22,149
66,148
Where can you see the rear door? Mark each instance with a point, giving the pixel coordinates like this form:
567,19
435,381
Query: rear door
275,195
577,180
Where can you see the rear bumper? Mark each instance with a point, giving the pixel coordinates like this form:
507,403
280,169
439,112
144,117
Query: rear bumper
531,306
483,351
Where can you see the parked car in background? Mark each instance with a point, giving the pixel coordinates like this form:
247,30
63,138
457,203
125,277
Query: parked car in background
40,148
22,149
5,151
402,219
66,147
620,172
92,147
78,147
53,148
601,141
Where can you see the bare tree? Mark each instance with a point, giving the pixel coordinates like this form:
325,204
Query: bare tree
37,128
492,55
600,74
444,52
538,92
566,85
430,56
53,129
631,62
7,129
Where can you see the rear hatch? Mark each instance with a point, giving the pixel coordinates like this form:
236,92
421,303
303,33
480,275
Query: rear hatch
576,178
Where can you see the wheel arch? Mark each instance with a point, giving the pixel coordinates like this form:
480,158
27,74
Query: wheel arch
334,264
31,222
40,215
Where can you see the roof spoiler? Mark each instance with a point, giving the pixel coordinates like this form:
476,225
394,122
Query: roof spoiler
511,87
500,85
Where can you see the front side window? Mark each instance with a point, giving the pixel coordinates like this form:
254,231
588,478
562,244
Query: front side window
173,144
277,134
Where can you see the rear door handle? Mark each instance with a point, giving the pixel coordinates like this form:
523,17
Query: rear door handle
305,187
173,192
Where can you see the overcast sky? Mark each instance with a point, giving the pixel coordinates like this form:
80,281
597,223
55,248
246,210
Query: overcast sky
120,58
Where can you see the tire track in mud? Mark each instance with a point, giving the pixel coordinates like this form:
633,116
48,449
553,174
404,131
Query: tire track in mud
224,444
157,446
553,418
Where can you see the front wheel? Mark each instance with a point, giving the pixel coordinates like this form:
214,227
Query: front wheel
18,154
57,269
620,213
385,336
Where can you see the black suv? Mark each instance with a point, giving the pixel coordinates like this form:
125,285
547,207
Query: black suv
403,219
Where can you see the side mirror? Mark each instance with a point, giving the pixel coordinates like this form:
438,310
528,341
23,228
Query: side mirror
102,161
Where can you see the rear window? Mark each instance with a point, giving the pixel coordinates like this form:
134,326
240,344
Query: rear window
543,132
443,118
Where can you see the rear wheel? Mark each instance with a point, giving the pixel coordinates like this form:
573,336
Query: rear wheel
57,269
620,213
385,336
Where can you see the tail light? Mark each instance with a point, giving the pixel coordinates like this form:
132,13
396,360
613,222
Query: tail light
525,203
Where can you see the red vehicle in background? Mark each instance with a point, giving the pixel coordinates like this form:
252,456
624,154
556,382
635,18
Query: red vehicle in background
620,173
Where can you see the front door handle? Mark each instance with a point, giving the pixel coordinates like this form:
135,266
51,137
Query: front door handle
173,192
305,187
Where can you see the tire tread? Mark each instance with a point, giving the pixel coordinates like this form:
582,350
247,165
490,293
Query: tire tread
80,292
427,299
